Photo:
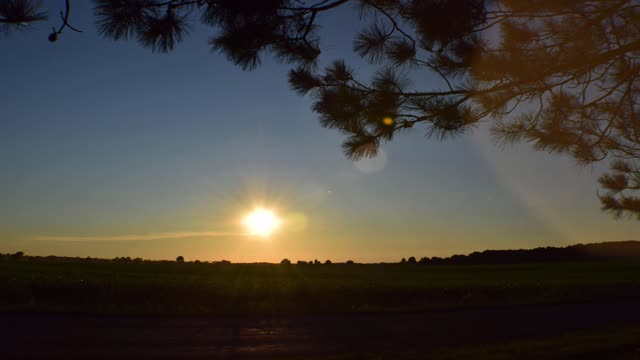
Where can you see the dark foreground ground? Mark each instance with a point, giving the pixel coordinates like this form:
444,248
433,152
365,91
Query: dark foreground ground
79,309
579,331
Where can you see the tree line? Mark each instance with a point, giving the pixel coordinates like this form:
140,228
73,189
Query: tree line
579,252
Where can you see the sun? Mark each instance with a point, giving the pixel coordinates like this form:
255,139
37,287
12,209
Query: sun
261,222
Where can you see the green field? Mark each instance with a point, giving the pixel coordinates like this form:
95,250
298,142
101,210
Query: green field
202,288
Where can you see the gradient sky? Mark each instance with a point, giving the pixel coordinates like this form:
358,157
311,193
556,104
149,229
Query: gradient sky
109,150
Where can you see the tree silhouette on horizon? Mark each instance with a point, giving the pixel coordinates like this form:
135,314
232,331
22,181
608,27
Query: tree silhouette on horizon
561,75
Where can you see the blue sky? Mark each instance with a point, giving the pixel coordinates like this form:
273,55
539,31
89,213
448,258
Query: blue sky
102,140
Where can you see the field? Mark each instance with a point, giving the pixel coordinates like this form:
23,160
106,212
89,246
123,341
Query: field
191,288
343,310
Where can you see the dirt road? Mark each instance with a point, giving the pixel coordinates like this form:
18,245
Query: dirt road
101,337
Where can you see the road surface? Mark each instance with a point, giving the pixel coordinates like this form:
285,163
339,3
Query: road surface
191,337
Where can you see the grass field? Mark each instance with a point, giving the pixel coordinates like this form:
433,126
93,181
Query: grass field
202,288
102,309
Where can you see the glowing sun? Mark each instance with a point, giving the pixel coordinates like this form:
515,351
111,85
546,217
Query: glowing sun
261,222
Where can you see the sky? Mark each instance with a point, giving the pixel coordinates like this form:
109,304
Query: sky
107,149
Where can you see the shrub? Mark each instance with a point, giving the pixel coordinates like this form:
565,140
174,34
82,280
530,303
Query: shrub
17,255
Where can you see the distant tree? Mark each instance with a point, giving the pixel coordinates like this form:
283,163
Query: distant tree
458,259
579,252
180,259
403,261
560,75
285,261
412,260
349,262
316,262
328,262
17,256
300,262
423,260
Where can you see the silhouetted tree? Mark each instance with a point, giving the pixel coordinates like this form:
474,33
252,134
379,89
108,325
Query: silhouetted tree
19,14
412,260
561,75
623,179
285,261
328,262
18,255
180,259
316,262
403,261
349,262
300,262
